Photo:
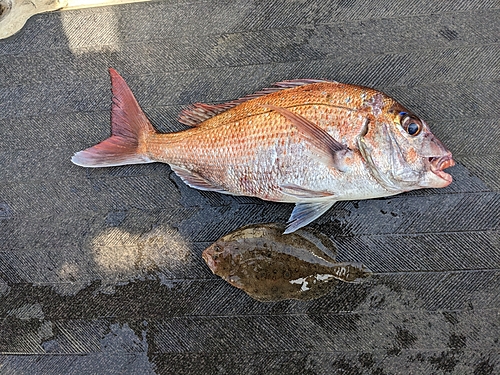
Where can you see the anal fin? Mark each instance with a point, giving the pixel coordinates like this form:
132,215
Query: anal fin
306,212
196,181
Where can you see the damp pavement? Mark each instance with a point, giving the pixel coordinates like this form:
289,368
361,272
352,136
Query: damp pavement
101,270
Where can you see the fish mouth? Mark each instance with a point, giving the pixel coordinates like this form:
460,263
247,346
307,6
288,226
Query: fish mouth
439,163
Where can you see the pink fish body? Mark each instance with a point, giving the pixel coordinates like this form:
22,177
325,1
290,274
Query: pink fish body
307,142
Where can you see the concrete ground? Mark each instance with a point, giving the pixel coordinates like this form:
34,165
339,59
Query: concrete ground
101,270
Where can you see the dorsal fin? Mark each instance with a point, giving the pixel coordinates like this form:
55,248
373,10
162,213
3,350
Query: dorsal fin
199,112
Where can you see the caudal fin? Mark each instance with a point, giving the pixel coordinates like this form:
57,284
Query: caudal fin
129,130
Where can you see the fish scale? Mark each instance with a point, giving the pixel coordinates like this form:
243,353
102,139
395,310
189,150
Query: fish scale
269,157
249,146
305,141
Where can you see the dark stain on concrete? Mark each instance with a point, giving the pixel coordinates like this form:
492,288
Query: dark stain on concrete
448,33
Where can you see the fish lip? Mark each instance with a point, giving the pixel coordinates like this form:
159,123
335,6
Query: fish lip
439,163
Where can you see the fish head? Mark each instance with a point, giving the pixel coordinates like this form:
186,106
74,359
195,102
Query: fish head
218,259
401,151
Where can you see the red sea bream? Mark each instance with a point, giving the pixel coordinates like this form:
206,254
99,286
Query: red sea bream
306,142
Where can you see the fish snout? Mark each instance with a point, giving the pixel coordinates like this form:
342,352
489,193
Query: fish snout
209,260
433,147
437,166
437,158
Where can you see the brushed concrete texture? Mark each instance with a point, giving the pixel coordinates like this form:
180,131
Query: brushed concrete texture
101,270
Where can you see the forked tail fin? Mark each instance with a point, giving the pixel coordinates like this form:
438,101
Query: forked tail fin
129,130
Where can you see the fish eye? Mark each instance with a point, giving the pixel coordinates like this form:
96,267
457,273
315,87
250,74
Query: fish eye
410,124
413,129
217,249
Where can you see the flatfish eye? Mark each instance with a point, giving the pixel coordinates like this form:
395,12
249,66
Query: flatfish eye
217,249
410,124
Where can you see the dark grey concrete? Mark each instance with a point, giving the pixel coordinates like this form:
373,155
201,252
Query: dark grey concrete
101,270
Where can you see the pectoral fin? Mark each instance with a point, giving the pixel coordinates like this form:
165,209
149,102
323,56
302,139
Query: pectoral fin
327,148
305,213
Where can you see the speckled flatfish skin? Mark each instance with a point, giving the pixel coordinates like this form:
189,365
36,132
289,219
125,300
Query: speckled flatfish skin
271,266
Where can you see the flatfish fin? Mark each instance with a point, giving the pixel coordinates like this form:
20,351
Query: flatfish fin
196,181
196,113
328,149
324,247
306,212
350,272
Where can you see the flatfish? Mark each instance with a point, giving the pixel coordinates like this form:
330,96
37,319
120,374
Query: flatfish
271,266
